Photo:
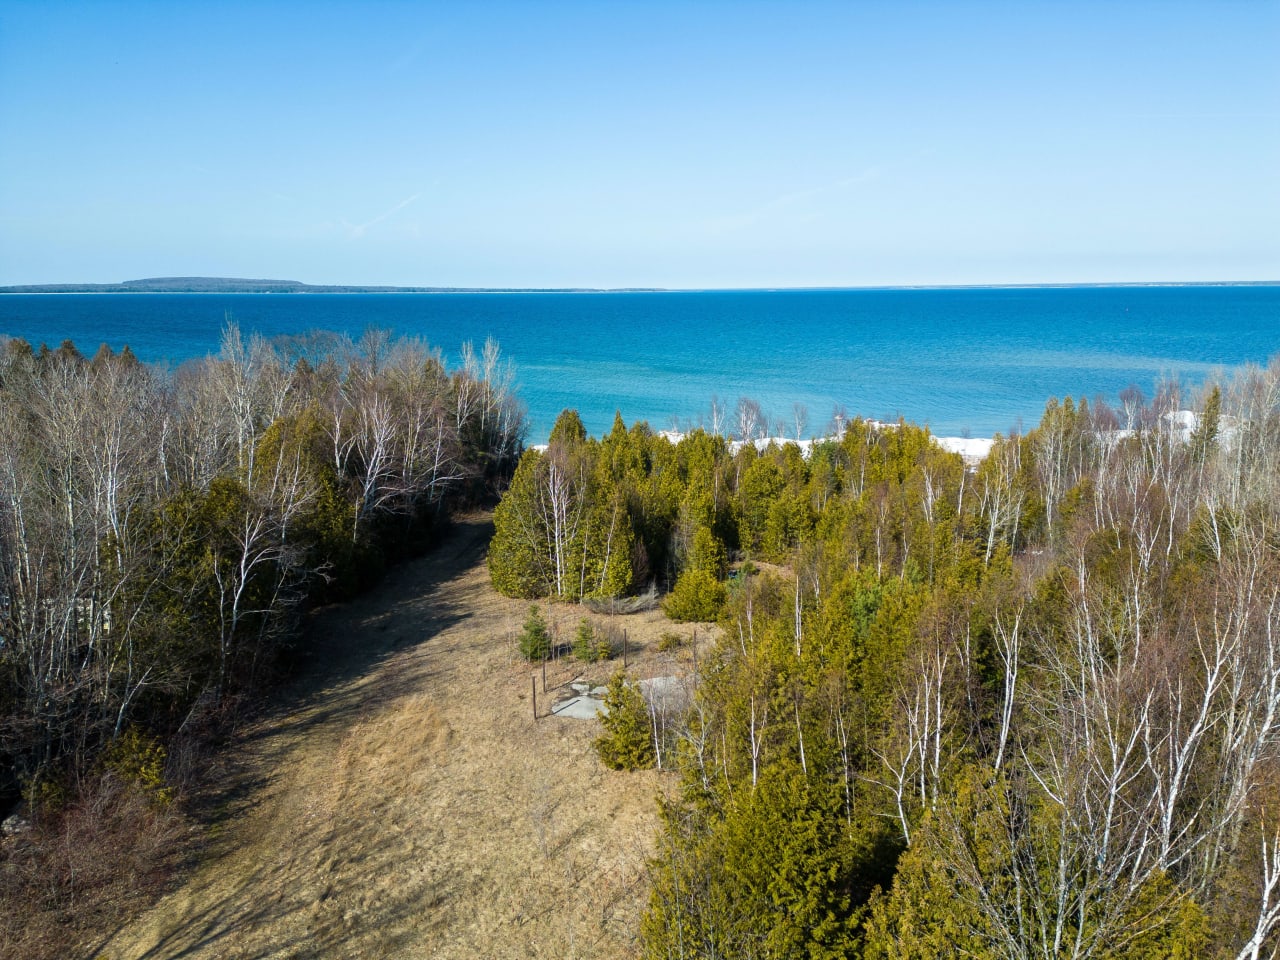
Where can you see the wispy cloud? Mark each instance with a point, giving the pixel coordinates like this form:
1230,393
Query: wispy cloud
358,230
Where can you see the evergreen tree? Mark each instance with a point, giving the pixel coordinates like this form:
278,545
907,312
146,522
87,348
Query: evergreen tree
586,646
1206,431
697,595
535,640
627,741
519,560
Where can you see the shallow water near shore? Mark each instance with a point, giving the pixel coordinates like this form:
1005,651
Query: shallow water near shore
964,361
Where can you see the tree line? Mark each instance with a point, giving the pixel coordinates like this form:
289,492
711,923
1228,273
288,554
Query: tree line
1027,709
161,531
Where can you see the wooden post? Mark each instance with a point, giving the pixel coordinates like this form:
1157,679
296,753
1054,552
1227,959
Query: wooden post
533,682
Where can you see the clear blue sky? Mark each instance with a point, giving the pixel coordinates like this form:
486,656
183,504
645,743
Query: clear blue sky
640,144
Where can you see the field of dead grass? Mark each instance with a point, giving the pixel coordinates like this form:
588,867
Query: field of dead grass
403,802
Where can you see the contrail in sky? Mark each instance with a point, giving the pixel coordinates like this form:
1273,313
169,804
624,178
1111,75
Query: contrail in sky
358,229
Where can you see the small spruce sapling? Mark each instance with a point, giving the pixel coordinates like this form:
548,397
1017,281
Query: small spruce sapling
535,641
584,642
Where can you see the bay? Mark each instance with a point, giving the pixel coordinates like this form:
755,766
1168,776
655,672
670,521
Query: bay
965,361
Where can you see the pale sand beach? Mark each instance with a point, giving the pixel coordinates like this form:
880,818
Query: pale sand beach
973,449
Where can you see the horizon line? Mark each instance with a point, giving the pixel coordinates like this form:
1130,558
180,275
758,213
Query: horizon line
303,287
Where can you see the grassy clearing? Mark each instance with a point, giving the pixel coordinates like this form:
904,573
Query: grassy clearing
405,803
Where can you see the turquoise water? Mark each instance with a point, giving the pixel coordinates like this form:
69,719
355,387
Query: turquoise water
975,360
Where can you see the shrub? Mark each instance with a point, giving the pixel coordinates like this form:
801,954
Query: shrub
86,867
138,760
640,603
627,741
670,641
609,640
697,596
44,797
535,641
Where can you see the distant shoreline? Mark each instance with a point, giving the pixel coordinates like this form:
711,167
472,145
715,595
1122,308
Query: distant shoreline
216,285
962,362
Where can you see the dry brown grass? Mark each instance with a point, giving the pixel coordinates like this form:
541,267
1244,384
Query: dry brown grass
406,803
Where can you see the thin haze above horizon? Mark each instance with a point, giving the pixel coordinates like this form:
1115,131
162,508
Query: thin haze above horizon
658,144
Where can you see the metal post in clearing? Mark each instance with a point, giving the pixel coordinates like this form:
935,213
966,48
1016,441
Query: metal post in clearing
695,653
624,649
544,674
533,682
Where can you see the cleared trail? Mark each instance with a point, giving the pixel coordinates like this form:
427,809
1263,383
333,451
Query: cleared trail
404,803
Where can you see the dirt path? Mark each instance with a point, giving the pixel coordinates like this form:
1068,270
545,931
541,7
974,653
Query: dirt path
406,804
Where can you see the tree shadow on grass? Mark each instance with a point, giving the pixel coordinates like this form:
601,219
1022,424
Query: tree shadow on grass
340,679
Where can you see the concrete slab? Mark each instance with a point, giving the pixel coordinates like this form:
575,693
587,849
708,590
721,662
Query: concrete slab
579,708
666,693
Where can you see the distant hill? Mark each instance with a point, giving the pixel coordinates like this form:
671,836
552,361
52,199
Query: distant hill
240,285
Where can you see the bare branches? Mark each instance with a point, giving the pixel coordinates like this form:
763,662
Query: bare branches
152,525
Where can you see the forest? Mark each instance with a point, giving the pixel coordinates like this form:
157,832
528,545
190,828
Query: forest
1028,708
162,532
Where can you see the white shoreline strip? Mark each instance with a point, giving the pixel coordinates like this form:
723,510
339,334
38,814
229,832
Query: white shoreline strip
1179,424
973,449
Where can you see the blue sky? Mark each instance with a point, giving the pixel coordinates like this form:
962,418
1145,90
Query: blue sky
616,144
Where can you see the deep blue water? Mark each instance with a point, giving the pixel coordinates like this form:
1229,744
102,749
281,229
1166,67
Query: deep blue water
974,360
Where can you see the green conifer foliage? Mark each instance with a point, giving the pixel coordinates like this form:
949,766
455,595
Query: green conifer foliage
627,741
518,561
138,759
697,596
586,645
1206,431
535,640
769,875
707,553
1006,696
564,529
607,548
762,483
568,429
